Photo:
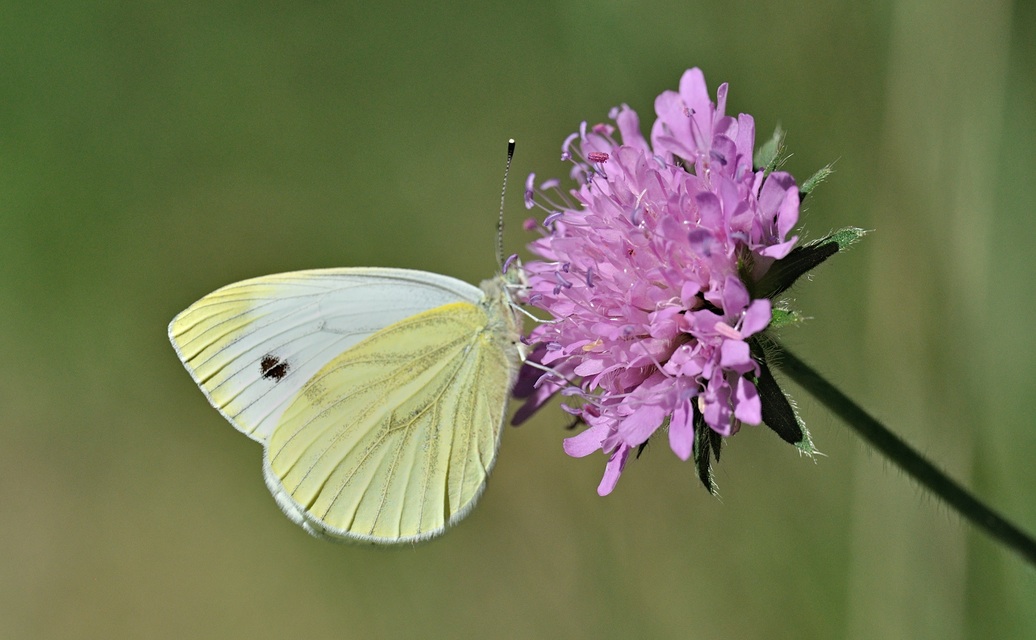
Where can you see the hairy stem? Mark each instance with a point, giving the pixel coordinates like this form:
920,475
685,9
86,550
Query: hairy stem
904,455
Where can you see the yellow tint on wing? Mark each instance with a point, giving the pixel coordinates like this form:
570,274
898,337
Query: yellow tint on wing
212,333
392,440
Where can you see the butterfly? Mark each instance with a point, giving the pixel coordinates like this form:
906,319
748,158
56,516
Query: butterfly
378,394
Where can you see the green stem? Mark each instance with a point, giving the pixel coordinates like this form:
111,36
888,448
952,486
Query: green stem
903,455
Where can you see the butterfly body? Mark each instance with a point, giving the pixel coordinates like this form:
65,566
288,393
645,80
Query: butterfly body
378,394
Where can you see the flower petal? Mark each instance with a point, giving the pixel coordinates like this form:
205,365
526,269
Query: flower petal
612,471
757,317
735,296
681,430
586,442
734,353
748,408
637,427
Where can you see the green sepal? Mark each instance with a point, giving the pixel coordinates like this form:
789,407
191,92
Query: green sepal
847,237
717,442
768,156
778,414
778,408
806,444
781,317
814,180
784,272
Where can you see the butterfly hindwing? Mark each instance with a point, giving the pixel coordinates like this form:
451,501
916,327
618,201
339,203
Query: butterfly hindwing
393,439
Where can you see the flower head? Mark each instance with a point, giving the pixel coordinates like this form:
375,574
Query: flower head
647,271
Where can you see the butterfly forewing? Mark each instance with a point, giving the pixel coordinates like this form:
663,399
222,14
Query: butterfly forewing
392,440
251,346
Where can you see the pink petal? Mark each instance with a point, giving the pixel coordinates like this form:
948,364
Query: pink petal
748,408
757,317
586,442
775,189
723,154
721,98
734,353
589,367
735,295
537,399
637,427
629,129
688,291
745,141
778,251
717,405
709,210
681,430
695,95
613,470
788,214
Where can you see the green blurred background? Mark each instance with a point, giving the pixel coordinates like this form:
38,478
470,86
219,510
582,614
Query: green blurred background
151,152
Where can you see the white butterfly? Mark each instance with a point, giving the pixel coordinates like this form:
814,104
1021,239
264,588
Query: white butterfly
378,394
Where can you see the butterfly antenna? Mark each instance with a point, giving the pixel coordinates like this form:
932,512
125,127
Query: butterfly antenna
500,219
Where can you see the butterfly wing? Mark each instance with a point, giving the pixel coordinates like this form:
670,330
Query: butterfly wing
251,346
379,394
393,439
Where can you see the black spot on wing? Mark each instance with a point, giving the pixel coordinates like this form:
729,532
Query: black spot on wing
273,368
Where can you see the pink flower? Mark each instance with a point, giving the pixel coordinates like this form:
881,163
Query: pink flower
646,271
